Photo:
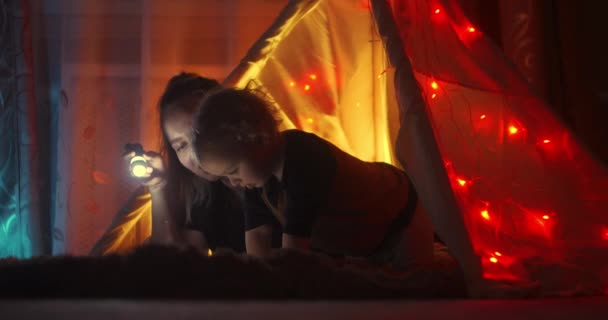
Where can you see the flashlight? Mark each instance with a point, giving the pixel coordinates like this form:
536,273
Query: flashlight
138,164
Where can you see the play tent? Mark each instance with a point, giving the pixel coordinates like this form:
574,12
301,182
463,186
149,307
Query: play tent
413,83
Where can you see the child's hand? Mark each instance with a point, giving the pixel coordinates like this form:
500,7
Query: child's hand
501,289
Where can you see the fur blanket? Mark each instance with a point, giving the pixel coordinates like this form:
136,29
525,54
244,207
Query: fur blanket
168,273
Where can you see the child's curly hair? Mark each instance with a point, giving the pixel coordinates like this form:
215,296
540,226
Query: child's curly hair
234,123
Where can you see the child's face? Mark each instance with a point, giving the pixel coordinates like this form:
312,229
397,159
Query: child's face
241,173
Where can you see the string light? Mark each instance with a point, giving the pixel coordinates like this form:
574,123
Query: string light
313,76
462,182
548,147
434,86
310,120
485,214
534,222
467,34
306,87
209,252
292,84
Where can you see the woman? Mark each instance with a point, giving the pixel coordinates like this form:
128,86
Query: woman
188,206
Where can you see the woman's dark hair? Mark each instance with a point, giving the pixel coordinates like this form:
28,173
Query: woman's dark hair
235,123
183,93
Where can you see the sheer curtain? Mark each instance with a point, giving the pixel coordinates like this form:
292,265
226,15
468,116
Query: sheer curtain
107,63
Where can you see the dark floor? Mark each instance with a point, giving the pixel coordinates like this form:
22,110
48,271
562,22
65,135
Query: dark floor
584,308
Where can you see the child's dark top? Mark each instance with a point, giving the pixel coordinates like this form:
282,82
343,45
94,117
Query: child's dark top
345,205
221,220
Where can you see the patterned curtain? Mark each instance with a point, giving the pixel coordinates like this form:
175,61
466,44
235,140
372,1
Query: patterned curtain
23,179
78,80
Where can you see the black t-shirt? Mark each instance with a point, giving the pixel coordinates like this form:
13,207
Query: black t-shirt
355,200
221,219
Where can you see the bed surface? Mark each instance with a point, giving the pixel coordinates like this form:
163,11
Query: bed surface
548,309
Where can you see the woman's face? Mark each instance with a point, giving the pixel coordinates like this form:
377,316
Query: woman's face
241,173
178,128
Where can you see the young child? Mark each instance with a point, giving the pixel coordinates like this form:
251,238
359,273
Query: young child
324,198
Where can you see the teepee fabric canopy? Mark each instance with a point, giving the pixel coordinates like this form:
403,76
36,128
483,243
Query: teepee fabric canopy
415,84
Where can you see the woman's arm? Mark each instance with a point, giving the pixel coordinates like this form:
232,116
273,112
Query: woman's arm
195,239
258,241
164,222
295,242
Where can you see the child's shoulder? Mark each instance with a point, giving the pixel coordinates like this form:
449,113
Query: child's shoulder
304,146
299,141
296,133
299,136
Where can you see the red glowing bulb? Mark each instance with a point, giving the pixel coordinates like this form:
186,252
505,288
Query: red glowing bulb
433,96
513,129
437,11
471,29
434,85
306,87
462,182
546,217
493,260
498,254
605,233
483,116
485,214
546,141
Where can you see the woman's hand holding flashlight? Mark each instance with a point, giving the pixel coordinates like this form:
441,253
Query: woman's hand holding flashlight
147,167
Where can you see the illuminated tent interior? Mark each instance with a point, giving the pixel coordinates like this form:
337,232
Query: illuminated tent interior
531,196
